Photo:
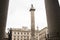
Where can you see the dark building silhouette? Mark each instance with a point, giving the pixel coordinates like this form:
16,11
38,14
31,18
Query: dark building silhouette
3,17
53,19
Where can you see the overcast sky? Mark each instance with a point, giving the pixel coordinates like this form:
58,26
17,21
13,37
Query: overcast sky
19,14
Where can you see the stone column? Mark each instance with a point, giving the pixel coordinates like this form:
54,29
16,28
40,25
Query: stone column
53,19
3,16
32,23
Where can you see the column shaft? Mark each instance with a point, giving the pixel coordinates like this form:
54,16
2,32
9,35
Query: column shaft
32,25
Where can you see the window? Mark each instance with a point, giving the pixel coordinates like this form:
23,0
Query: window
24,36
18,36
24,33
28,37
18,39
21,36
14,36
28,33
21,32
24,39
18,32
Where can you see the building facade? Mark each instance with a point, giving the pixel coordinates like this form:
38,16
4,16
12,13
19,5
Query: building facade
25,34
43,34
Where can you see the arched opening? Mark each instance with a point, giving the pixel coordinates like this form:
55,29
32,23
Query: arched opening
18,11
